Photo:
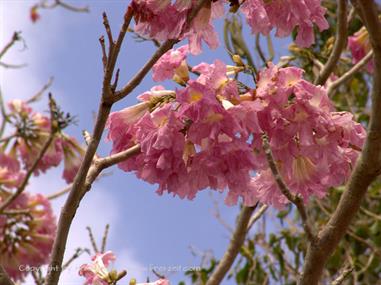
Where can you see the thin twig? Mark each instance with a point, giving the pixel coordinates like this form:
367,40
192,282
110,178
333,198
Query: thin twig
259,49
78,252
92,240
38,95
296,200
14,66
73,8
351,72
257,215
340,279
59,193
104,239
217,214
60,3
15,37
340,42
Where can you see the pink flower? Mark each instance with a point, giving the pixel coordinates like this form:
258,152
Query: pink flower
163,20
267,191
30,149
97,273
33,135
359,46
256,16
263,16
313,147
172,63
26,239
10,174
209,136
20,107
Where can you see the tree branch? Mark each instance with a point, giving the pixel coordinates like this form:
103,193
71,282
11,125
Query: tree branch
347,75
367,167
340,279
340,42
16,37
91,168
258,214
166,46
76,193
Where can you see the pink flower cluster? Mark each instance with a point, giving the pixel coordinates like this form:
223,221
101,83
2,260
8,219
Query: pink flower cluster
96,273
162,20
359,46
26,239
208,135
33,131
284,15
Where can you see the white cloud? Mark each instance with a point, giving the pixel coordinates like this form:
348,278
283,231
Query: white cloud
99,207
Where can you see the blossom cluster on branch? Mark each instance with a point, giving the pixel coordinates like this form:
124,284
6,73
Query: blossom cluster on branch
27,233
275,141
208,134
162,20
34,143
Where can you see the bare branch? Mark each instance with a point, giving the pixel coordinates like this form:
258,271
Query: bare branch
14,66
91,168
258,214
72,8
104,239
217,214
234,247
16,37
351,72
259,49
340,279
340,42
62,4
166,46
38,95
367,167
77,192
92,240
59,193
78,252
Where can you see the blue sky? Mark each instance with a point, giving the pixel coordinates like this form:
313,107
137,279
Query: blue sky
146,229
